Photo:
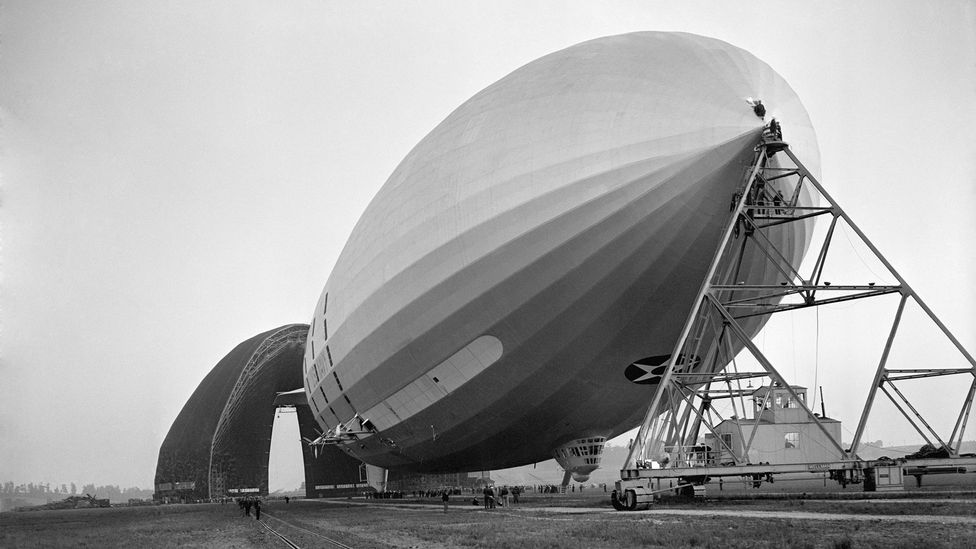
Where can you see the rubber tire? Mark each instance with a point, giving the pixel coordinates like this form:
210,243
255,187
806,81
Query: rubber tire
615,501
630,500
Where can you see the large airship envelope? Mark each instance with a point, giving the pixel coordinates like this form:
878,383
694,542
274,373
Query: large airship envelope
550,232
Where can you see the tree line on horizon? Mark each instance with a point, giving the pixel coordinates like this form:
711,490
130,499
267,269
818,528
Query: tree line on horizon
44,489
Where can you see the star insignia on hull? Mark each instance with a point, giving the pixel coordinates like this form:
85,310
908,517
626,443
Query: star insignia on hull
648,370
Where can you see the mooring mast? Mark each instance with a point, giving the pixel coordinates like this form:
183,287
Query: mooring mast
702,366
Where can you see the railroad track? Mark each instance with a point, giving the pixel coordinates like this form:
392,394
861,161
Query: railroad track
291,543
279,535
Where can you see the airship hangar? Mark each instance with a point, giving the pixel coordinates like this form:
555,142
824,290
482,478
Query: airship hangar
516,289
220,442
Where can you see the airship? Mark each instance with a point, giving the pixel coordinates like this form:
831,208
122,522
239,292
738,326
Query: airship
515,288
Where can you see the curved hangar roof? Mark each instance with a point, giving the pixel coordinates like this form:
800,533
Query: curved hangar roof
578,195
227,422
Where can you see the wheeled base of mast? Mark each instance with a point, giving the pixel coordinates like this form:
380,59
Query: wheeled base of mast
702,367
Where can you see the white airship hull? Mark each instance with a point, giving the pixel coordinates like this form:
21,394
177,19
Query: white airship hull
550,232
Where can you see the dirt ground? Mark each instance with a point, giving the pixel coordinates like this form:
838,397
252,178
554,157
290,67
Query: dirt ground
937,520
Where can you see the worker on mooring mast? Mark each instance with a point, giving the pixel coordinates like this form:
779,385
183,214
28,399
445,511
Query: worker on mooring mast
775,130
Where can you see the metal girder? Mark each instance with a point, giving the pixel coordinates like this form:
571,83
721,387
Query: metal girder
901,374
807,287
918,416
814,303
682,405
960,427
769,249
938,322
772,468
783,220
768,366
647,428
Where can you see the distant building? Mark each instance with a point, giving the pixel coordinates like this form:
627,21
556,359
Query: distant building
408,482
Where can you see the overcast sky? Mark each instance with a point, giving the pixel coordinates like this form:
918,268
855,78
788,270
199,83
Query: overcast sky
178,177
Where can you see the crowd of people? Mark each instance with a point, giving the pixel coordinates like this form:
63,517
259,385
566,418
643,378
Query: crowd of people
247,503
492,496
506,496
388,494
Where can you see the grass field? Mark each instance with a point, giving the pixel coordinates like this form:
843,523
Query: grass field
543,521
151,526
